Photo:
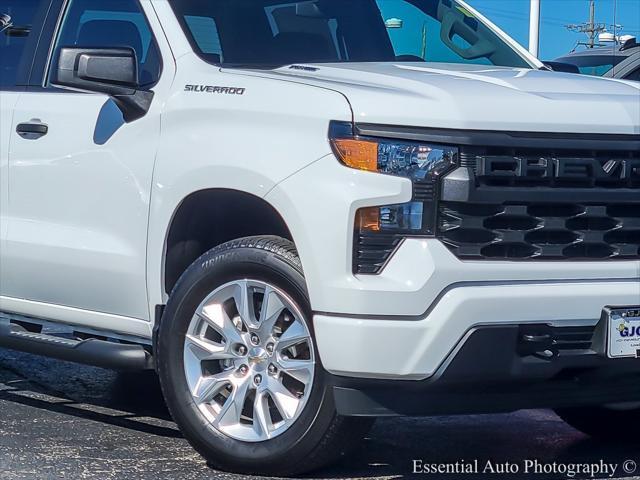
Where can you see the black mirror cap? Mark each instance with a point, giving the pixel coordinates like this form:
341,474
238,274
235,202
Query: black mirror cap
112,71
104,70
562,67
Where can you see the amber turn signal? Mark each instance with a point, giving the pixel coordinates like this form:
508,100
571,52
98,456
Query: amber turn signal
368,219
360,154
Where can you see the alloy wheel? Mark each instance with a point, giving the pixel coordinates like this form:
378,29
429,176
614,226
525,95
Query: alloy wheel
249,360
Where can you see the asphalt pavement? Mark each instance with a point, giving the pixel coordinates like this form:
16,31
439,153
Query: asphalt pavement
64,421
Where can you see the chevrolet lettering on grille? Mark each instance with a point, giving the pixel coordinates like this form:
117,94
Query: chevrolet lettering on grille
560,168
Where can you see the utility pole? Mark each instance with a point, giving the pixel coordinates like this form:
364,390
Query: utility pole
592,22
534,28
592,29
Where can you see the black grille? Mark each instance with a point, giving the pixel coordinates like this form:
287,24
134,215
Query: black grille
373,250
514,203
545,231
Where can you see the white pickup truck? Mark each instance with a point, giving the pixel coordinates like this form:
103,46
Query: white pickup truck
305,214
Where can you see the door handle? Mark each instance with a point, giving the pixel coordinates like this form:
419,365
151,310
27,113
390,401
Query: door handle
32,130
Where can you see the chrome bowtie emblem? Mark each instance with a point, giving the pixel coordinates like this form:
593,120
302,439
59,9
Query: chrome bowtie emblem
257,355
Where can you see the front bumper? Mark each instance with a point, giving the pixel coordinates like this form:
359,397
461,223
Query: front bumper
495,370
415,348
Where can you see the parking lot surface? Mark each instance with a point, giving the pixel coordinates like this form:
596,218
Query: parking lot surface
63,421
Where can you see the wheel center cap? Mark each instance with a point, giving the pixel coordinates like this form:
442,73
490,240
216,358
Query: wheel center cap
257,355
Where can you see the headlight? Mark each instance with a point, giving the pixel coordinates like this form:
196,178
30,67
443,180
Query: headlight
422,163
419,162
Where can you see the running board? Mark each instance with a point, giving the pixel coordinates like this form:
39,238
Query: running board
99,353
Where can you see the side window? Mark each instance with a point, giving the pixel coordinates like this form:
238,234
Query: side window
110,24
17,20
635,75
596,70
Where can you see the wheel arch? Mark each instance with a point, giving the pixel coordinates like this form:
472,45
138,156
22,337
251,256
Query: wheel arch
195,227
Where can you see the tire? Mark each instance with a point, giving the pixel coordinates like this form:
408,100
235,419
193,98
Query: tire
603,423
317,436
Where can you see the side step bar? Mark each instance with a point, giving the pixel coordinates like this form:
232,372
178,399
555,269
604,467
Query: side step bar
99,353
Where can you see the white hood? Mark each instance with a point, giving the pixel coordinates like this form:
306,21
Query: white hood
477,97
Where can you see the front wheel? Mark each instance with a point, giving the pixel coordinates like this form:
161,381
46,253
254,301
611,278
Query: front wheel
239,366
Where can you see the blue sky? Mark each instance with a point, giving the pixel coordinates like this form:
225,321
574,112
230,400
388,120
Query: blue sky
513,17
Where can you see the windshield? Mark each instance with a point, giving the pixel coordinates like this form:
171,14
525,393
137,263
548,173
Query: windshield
268,33
596,65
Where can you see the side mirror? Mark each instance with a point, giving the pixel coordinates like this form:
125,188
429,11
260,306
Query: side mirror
562,67
112,71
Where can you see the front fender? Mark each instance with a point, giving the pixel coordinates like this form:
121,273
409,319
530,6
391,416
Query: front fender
249,142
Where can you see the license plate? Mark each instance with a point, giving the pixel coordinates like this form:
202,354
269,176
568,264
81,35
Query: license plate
623,325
